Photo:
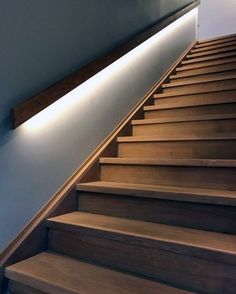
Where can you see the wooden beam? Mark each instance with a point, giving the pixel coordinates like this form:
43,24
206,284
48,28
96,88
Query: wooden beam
40,101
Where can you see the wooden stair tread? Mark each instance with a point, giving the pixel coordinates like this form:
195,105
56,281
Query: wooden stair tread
170,162
206,64
222,68
184,119
54,273
210,57
210,51
149,234
228,76
203,90
212,47
154,138
197,195
180,104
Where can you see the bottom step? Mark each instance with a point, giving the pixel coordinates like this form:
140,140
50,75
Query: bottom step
57,274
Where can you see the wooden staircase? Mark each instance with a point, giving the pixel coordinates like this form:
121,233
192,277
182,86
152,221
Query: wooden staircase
162,217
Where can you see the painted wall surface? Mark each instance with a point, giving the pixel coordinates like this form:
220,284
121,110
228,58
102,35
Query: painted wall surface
216,18
46,40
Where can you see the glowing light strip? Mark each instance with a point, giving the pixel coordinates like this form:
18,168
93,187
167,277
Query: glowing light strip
75,98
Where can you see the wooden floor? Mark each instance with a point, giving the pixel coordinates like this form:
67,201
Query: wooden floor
162,217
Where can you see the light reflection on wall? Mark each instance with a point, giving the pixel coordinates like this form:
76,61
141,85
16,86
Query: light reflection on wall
63,106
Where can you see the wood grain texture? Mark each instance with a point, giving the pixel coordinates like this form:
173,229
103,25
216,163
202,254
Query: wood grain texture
214,41
205,79
188,128
159,209
186,173
184,194
52,273
210,57
206,64
205,148
212,51
212,47
125,244
201,72
30,107
185,109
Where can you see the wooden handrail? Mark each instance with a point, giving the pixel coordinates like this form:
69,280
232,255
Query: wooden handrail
35,104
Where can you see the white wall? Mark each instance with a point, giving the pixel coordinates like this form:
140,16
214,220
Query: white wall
216,18
52,145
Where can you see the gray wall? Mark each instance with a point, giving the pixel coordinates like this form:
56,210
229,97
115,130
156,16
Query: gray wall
42,41
216,18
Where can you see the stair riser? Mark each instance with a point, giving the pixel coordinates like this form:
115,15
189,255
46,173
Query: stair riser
202,77
220,41
188,129
209,58
18,288
185,271
208,70
199,99
179,149
211,52
205,64
202,87
190,111
182,176
213,47
216,218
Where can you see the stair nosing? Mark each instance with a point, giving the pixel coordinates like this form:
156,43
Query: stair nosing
209,52
130,139
196,66
196,82
196,118
183,75
164,106
214,46
173,94
209,163
146,239
212,57
168,193
37,280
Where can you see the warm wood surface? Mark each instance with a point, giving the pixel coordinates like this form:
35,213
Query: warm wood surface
215,41
203,148
206,64
189,128
212,78
184,119
59,274
201,72
147,233
223,137
212,47
222,38
162,192
210,57
175,162
200,88
213,51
